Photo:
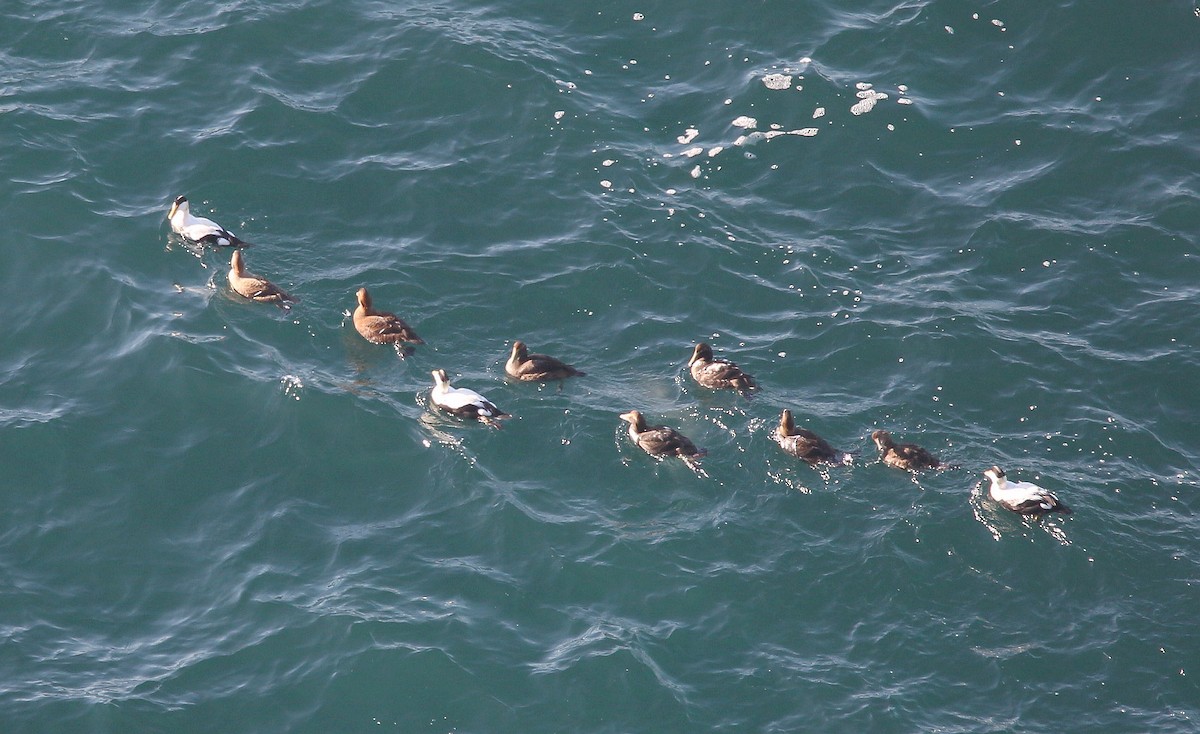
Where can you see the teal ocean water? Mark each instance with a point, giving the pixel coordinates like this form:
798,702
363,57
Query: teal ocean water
972,224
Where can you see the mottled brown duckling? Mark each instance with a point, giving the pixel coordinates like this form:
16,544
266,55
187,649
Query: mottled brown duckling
906,456
718,374
806,445
522,365
381,327
252,286
660,440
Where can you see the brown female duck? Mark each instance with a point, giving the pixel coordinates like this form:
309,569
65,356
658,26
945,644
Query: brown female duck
718,374
254,287
522,365
906,456
660,440
806,445
381,327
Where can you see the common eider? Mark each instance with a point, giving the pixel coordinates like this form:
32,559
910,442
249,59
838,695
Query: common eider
200,229
381,327
718,374
660,440
906,456
252,286
522,365
1022,497
462,402
806,445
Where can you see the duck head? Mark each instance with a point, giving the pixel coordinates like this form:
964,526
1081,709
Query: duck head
882,439
440,379
180,202
701,352
635,419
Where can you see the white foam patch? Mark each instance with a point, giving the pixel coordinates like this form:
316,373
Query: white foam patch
751,139
869,98
863,106
745,122
777,81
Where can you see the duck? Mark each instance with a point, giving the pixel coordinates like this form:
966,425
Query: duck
381,327
462,402
906,456
718,374
528,367
252,286
660,440
200,229
806,445
1024,498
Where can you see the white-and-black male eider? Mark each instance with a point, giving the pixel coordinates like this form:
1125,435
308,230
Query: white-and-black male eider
254,287
718,374
806,445
906,456
381,327
462,402
660,440
199,229
522,365
1022,497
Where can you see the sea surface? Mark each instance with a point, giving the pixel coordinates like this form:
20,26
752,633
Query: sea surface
972,224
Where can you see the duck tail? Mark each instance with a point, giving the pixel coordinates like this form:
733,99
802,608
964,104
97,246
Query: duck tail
493,420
